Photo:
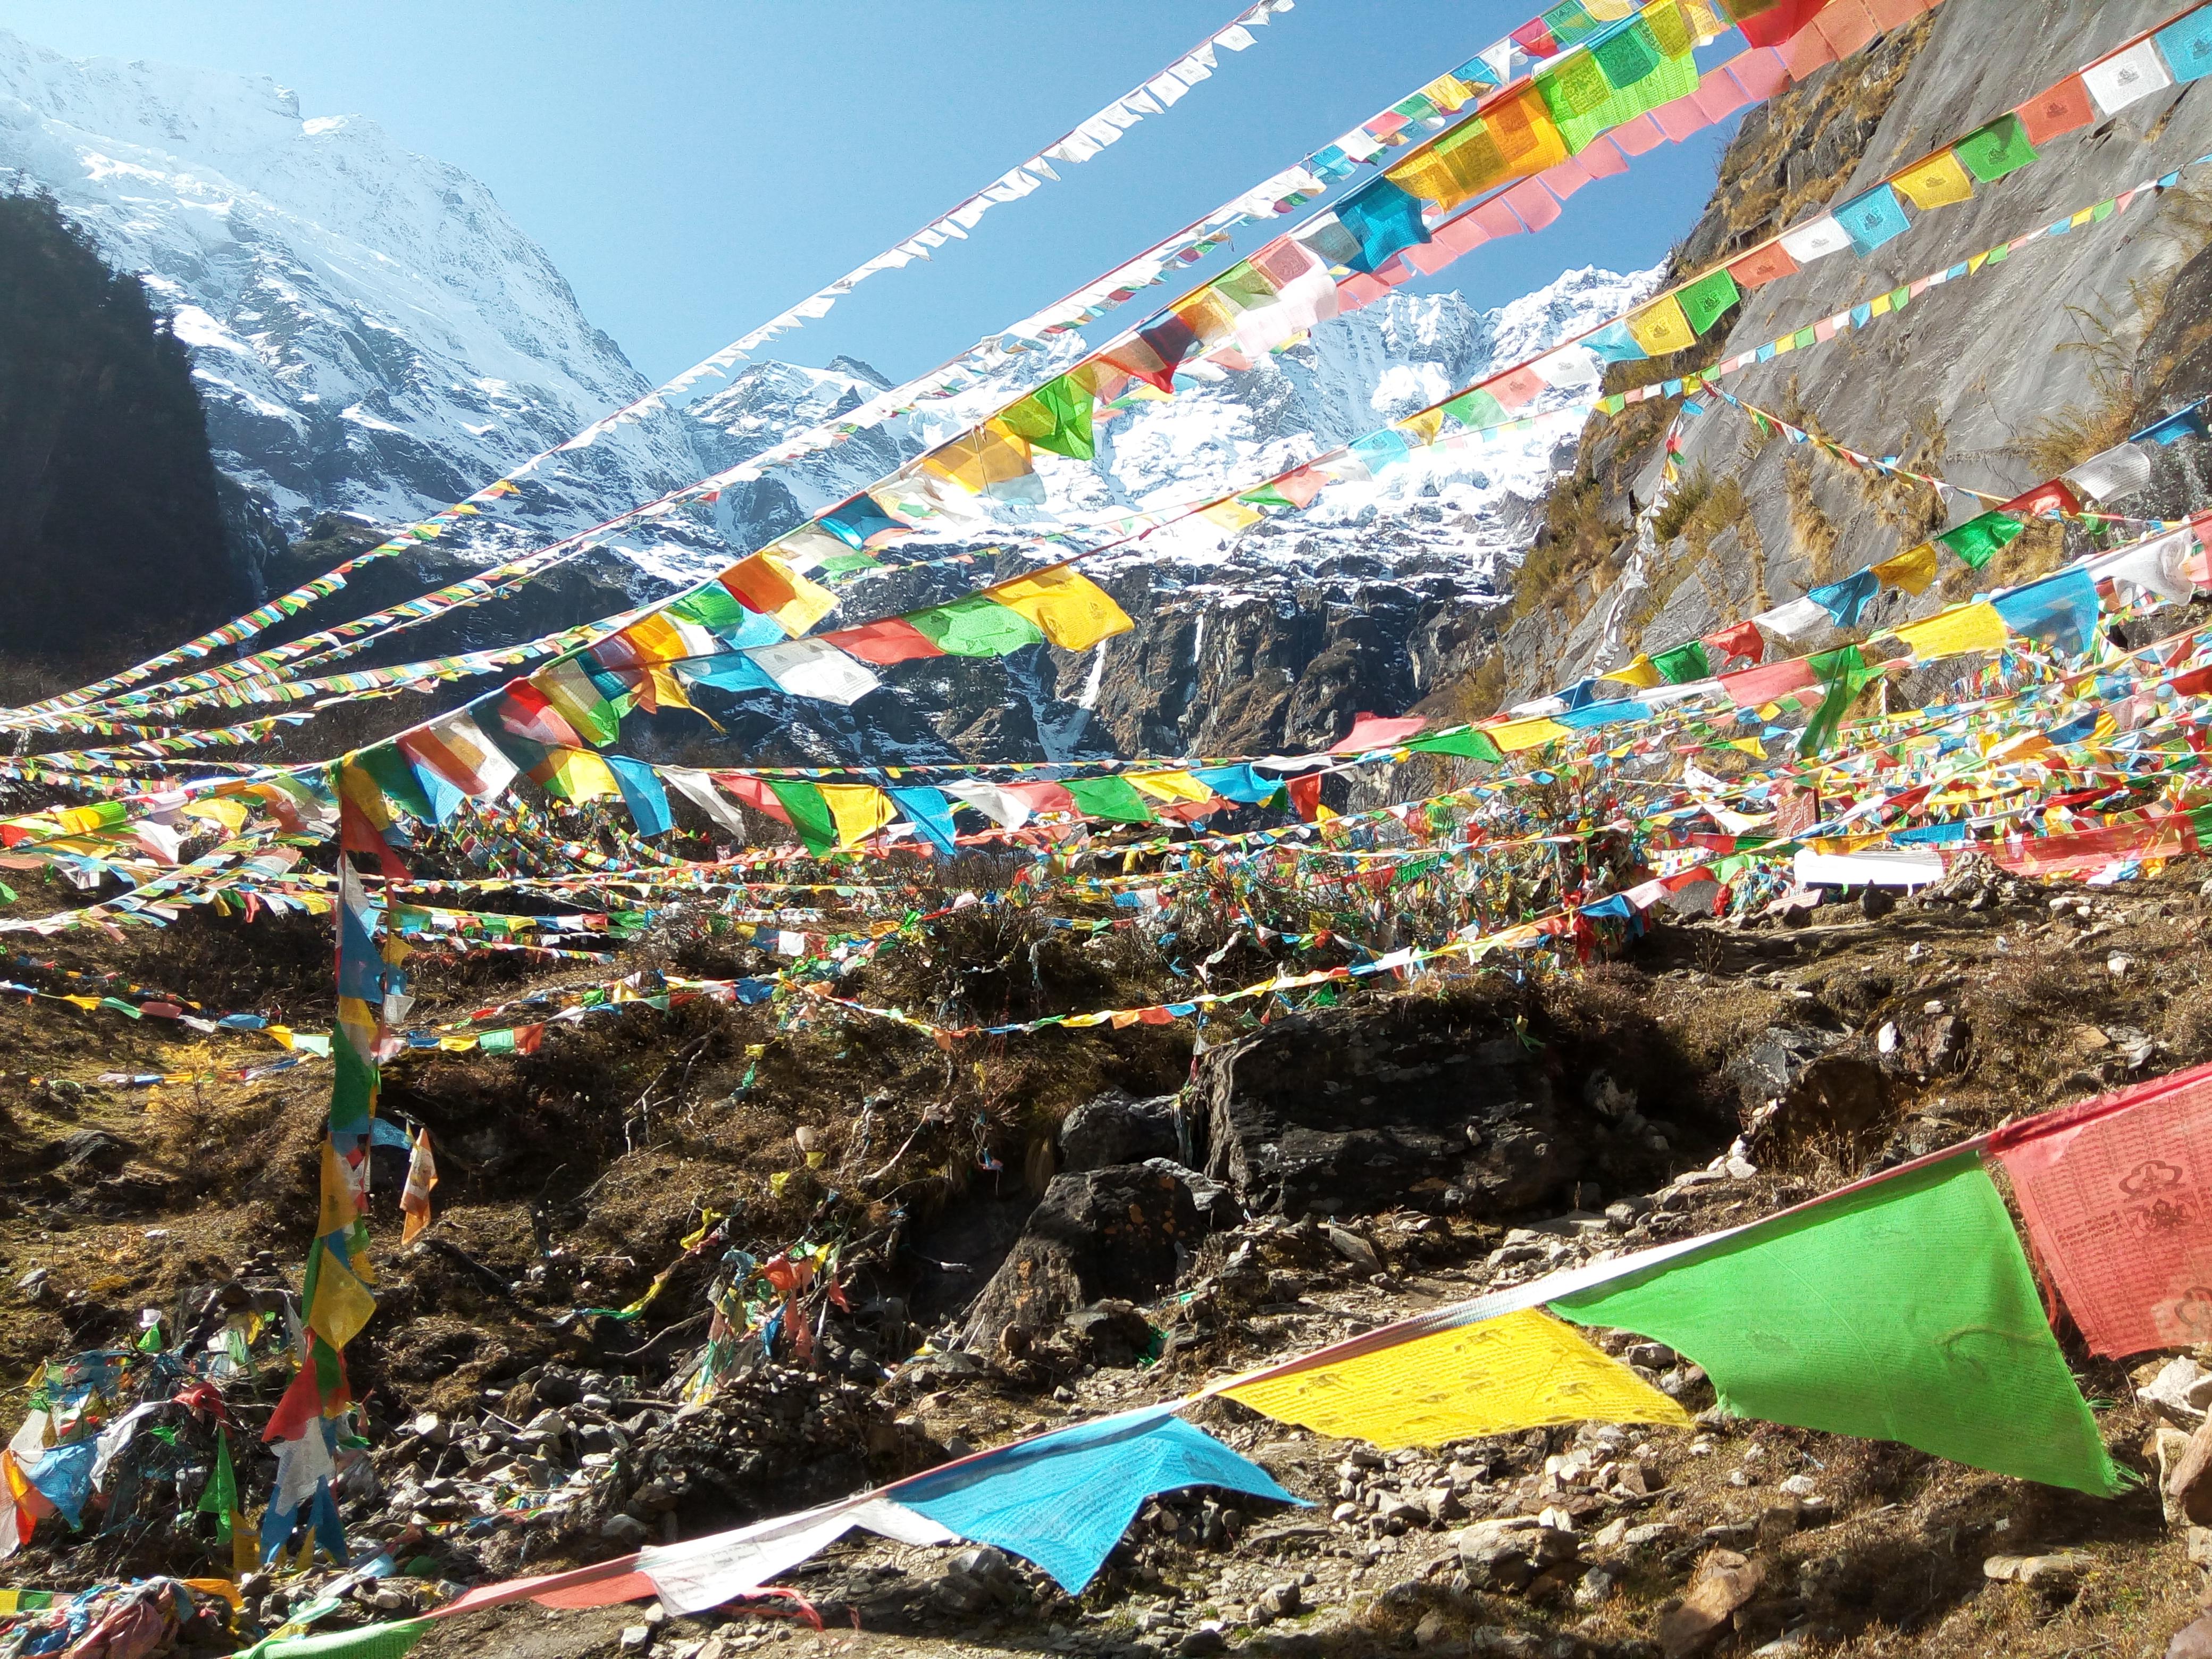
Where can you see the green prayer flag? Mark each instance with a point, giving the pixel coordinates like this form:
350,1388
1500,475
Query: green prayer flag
1633,70
1992,151
368,1641
1474,745
975,627
1978,540
1683,663
844,564
1056,416
220,1498
1475,408
395,779
1266,495
1844,674
1115,797
1705,300
1903,1311
712,607
809,812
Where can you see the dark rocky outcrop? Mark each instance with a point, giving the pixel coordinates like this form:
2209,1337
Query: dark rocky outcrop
1113,1128
1096,1234
1327,1114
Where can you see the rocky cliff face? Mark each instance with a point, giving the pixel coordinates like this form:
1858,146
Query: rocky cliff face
1996,382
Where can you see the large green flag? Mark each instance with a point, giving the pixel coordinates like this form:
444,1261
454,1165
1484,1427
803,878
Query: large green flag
809,812
1056,416
1113,798
1903,1311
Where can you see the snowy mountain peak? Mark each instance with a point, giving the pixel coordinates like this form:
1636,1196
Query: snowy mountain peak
370,331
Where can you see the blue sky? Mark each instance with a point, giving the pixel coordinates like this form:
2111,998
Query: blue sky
694,166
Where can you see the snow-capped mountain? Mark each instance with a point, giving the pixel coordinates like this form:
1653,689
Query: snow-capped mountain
372,333
370,330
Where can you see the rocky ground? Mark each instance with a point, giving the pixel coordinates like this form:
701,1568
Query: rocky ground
1312,1178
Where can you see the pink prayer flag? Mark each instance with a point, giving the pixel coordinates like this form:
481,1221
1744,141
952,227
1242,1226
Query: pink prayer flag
1536,206
2116,1193
1637,136
1602,160
1497,218
1805,52
1563,178
1719,95
1846,25
1761,73
1684,117
1375,731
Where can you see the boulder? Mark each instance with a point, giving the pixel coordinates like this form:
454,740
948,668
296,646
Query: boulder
1096,1234
1416,1103
1724,1582
1114,1128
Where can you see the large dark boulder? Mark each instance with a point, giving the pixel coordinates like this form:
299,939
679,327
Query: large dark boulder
1414,1102
1096,1233
1113,1128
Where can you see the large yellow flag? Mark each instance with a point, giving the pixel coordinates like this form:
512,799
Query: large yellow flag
1519,1371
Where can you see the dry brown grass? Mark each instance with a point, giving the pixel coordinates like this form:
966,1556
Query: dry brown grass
1816,532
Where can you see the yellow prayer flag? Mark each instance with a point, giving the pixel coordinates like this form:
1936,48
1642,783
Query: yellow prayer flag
650,640
1169,786
1912,570
994,453
1661,327
230,814
343,1303
859,810
1422,429
1936,182
338,1210
1515,735
1521,1370
1230,515
1641,673
1067,607
1975,627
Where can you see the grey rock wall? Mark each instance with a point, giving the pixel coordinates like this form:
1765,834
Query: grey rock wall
1976,365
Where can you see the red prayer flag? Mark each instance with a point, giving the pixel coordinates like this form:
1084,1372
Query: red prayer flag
1756,687
1778,23
2062,109
1305,795
2116,1193
892,640
1744,639
2054,496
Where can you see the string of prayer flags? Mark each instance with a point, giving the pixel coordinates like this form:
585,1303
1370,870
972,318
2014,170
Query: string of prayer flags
1901,1310
2114,1192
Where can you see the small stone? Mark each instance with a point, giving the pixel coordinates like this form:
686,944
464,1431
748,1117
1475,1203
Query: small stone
2169,1393
2038,1571
1597,1587
635,1637
1345,1512
2118,963
1203,1640
626,1530
1282,1600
